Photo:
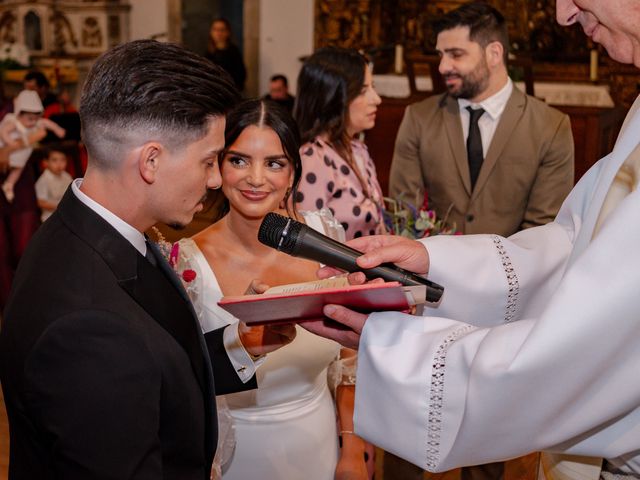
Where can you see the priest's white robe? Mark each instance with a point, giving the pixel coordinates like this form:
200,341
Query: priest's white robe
535,345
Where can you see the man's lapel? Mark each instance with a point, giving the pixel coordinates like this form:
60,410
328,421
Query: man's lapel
158,296
171,275
149,286
156,289
511,116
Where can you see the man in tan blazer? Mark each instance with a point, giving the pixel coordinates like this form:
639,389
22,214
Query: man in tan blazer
527,147
525,169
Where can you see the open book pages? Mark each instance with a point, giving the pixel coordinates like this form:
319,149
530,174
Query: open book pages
415,295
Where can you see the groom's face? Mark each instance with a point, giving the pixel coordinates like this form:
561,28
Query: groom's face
186,176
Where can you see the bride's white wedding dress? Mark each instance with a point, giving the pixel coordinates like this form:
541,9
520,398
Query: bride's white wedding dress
286,428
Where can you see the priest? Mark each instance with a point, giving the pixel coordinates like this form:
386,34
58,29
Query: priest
533,346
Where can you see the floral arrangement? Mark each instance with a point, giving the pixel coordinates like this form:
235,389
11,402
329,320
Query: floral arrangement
171,252
402,218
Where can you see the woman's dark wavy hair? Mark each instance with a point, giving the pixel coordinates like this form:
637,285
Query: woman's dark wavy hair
329,81
264,113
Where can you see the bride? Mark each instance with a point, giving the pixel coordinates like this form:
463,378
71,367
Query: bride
287,427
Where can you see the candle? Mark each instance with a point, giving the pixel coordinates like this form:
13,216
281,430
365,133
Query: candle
398,59
593,67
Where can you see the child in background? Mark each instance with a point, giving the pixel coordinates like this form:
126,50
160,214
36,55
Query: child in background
18,126
53,182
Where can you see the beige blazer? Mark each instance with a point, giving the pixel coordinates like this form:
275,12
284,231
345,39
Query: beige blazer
527,172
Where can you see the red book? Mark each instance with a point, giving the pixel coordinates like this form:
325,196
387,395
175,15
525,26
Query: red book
294,303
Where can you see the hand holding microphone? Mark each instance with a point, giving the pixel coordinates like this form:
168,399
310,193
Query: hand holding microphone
296,239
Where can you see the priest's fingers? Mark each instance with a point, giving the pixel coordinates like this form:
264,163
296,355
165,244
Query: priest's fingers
355,278
342,325
374,242
405,253
327,272
334,331
349,318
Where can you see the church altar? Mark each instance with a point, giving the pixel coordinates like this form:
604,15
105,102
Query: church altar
553,93
595,121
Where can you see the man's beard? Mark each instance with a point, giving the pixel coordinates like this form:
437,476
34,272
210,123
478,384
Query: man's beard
473,84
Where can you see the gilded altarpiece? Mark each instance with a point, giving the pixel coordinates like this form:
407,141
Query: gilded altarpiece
376,26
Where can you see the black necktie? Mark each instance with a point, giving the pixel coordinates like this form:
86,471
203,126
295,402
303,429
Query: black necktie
474,144
150,256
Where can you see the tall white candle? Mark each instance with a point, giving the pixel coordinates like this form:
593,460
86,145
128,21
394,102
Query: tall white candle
593,66
398,59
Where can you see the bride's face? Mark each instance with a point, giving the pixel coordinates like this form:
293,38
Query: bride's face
256,173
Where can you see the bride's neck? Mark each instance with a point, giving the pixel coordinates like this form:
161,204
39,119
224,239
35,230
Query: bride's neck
243,232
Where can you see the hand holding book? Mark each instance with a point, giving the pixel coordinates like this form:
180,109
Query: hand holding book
305,301
259,340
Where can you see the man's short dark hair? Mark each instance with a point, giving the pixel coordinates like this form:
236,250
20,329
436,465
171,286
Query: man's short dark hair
146,90
486,24
39,77
281,77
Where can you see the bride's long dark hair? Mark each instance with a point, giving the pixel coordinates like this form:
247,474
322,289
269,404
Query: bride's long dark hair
264,113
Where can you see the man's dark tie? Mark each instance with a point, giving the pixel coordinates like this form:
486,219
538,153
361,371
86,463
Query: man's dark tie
474,144
150,255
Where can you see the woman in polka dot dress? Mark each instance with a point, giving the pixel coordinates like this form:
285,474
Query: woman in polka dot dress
335,102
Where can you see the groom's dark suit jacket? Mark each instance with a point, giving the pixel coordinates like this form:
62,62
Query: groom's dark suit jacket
104,368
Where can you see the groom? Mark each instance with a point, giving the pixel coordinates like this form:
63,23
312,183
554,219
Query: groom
105,371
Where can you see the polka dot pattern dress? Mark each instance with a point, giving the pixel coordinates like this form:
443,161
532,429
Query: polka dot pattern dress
329,182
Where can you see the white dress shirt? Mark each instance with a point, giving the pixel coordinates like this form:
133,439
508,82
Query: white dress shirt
493,107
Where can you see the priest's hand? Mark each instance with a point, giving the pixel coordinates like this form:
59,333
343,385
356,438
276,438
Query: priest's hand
262,339
342,325
405,253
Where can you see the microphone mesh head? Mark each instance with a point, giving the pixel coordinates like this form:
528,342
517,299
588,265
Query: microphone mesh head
275,234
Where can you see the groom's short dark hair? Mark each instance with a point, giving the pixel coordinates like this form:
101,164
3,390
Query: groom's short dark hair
148,90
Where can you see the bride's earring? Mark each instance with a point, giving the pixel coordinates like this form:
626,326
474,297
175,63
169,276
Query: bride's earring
283,203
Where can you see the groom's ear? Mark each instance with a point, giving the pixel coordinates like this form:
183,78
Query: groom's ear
149,160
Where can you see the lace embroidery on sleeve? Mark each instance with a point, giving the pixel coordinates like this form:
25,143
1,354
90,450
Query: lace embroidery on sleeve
512,280
436,396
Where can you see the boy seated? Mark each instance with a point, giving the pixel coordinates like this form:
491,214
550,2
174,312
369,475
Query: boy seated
53,182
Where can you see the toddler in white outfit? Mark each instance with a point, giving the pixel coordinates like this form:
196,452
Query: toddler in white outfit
16,129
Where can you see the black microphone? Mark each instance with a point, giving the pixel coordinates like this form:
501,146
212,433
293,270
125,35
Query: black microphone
296,239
